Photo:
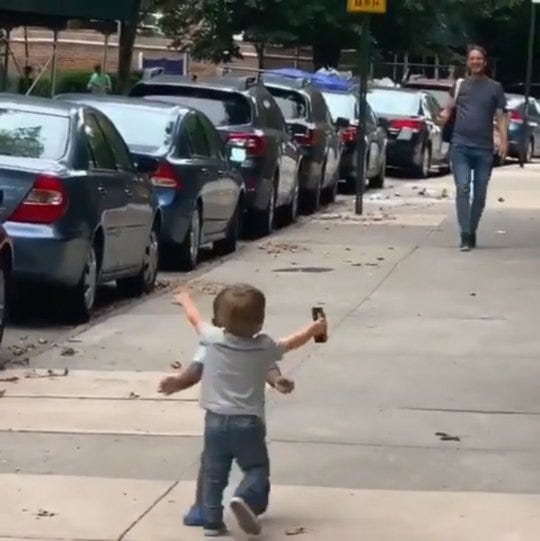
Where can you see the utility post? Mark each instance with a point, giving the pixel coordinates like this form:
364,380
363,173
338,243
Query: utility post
528,80
365,8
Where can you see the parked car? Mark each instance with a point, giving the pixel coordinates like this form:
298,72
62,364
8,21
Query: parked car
310,122
523,136
344,109
252,126
78,210
201,196
414,134
6,269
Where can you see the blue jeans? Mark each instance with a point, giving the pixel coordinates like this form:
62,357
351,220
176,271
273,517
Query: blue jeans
474,165
241,438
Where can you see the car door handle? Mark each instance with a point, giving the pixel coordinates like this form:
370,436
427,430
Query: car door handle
129,192
102,191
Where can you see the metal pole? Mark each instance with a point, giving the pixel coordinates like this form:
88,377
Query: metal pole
528,80
53,64
104,64
5,77
361,157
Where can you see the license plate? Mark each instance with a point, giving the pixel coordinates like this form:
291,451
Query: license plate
405,135
238,154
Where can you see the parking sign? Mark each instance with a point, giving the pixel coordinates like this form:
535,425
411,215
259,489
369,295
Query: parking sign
366,6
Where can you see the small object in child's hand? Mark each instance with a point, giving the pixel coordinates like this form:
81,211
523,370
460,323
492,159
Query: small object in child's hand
177,365
317,313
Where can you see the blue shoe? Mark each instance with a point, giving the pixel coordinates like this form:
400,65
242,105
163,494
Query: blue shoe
194,517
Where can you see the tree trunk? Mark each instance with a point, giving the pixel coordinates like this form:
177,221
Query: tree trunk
326,54
128,34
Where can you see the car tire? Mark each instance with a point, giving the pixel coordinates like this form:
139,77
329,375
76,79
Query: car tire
264,221
145,281
4,299
530,152
229,243
377,182
188,256
84,293
423,169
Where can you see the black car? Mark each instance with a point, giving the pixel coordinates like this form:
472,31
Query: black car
201,196
254,129
414,133
78,210
309,119
345,113
6,269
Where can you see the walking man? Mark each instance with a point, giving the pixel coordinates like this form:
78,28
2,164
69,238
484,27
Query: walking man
477,101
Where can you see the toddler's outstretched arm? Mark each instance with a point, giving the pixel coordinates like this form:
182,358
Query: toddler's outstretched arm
182,297
186,379
303,336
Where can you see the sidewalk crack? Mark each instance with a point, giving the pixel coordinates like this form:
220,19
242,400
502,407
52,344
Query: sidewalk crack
147,511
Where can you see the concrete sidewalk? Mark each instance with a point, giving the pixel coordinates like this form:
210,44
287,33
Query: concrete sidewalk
419,420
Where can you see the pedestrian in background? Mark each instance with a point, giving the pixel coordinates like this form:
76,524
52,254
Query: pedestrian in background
477,101
99,83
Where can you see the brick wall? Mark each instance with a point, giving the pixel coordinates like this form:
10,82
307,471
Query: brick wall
82,49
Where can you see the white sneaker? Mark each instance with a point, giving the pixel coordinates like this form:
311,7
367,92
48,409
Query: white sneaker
247,520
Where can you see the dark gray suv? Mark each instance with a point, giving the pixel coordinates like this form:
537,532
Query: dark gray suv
258,141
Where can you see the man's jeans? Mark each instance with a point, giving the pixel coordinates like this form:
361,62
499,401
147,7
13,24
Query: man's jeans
241,438
471,164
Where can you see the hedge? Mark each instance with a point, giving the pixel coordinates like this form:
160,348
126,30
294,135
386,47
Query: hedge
70,81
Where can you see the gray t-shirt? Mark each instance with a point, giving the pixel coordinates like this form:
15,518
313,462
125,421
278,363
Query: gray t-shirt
476,105
234,371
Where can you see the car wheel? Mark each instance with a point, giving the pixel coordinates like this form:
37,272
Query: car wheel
189,249
145,281
333,191
530,152
84,293
377,182
292,209
4,277
424,168
264,221
228,244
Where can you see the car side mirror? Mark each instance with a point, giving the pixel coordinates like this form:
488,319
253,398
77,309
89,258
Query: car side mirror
342,123
146,164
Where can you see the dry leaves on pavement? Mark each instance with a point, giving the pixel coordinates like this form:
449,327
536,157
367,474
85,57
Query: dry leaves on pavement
296,531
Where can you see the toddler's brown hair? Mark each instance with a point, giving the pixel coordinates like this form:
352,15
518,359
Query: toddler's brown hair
240,310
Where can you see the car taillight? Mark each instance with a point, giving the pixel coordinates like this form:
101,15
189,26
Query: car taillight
407,124
349,135
253,143
516,117
166,177
307,139
46,202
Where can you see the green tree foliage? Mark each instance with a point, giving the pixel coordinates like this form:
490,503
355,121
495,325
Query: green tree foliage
207,27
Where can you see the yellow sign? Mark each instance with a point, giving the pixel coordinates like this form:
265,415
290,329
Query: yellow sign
366,6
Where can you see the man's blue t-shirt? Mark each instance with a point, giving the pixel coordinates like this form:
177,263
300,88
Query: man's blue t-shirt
476,105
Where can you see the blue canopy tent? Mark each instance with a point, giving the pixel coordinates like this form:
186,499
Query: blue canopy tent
321,80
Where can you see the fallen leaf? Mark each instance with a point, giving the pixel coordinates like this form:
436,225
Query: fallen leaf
42,341
74,340
133,395
473,294
45,513
380,259
68,351
13,379
501,200
296,531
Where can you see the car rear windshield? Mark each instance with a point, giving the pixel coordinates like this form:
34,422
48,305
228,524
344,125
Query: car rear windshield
293,105
28,134
341,105
223,108
515,102
390,102
144,130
